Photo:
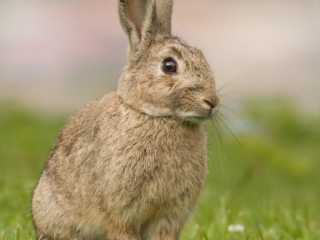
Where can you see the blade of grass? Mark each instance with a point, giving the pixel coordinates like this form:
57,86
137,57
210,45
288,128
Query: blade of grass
18,234
259,229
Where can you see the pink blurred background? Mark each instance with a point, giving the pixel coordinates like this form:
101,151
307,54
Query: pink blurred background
58,55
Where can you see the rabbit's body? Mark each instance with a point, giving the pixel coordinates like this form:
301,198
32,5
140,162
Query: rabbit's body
152,169
131,165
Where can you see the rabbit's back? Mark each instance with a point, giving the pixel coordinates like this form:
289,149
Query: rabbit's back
111,161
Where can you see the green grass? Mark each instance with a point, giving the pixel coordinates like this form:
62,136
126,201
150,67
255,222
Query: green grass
270,184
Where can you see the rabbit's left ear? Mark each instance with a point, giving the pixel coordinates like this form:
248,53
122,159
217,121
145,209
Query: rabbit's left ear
142,20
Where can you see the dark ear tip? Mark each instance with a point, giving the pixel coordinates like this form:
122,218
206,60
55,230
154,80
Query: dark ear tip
122,1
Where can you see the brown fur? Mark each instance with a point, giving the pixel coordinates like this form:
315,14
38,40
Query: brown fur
131,164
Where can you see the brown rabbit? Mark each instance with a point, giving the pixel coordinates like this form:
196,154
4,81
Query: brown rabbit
131,165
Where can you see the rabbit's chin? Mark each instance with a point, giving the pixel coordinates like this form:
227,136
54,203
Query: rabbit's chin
194,119
190,117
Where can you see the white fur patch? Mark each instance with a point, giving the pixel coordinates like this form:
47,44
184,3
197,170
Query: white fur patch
187,114
156,111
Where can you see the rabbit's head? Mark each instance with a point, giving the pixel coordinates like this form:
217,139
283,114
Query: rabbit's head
165,76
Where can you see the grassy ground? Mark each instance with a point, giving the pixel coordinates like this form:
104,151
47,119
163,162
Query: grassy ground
268,185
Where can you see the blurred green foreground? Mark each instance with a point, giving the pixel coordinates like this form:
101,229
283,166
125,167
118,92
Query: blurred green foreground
264,179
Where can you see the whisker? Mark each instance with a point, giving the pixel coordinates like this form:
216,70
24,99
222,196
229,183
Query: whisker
233,81
219,143
221,136
224,96
224,85
219,116
233,92
224,107
228,84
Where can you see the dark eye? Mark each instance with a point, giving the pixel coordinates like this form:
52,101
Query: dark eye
169,66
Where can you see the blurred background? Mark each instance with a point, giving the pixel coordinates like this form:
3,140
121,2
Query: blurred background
56,55
60,54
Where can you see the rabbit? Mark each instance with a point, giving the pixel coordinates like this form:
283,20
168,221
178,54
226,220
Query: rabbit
131,165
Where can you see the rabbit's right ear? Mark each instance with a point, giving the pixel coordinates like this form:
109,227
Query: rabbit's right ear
142,20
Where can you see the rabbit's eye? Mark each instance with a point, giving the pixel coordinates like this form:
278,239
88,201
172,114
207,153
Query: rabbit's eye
169,66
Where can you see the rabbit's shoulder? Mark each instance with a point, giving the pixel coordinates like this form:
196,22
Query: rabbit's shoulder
85,125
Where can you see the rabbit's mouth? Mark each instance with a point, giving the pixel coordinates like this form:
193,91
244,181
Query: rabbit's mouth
199,112
197,107
197,117
195,120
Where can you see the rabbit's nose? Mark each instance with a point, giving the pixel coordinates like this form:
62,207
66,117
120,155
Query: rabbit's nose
213,103
209,103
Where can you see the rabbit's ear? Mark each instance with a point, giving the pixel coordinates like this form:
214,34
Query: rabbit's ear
142,20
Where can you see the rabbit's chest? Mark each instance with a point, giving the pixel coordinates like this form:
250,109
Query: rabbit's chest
156,173
154,166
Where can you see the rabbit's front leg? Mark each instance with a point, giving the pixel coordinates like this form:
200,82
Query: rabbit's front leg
118,231
162,229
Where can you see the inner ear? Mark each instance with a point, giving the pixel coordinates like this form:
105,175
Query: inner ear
137,12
